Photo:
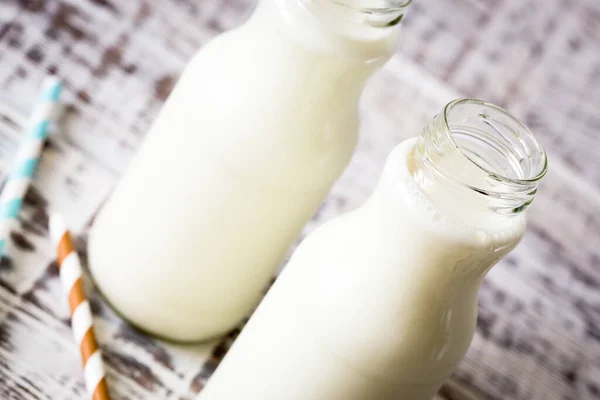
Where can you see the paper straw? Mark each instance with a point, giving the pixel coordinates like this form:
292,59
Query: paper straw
27,157
69,268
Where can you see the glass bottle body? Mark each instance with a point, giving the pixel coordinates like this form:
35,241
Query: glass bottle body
381,303
261,123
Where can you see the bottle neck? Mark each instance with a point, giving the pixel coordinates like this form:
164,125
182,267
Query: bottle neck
454,248
338,28
476,156
376,14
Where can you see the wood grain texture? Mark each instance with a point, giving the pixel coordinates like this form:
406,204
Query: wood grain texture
539,326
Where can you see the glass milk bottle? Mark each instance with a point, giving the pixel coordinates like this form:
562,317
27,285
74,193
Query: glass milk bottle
381,303
262,122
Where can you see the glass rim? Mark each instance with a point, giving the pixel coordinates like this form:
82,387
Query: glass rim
538,148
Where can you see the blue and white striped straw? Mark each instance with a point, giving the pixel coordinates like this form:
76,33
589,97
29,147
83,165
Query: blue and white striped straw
27,158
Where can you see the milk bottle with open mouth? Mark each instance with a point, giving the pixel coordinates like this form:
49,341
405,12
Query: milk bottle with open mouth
381,303
261,123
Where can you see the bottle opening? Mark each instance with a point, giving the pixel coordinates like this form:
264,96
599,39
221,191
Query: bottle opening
495,141
481,147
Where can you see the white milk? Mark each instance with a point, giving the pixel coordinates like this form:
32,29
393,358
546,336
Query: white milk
262,122
378,304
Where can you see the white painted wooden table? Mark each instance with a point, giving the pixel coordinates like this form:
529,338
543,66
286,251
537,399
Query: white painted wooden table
539,326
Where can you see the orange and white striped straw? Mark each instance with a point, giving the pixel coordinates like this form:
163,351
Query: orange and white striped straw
69,268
